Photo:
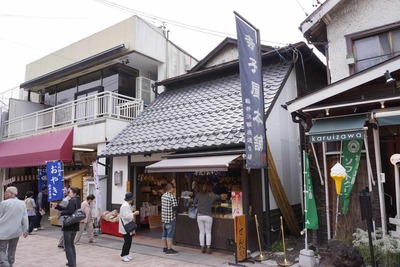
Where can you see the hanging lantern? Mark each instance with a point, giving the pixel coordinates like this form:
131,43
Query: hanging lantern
338,173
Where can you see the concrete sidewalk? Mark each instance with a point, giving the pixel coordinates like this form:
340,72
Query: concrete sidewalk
40,249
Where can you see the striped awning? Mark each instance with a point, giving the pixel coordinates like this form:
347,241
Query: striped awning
19,179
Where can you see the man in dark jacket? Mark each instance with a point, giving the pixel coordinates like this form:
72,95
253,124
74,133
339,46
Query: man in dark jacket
41,207
69,232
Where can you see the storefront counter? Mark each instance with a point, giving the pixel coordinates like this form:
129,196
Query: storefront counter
187,232
110,228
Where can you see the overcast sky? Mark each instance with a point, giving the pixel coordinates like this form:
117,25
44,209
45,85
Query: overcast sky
31,29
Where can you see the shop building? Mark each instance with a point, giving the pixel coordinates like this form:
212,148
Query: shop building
193,132
75,100
361,105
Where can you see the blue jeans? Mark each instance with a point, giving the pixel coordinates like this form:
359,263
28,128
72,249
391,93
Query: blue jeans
168,230
69,245
7,251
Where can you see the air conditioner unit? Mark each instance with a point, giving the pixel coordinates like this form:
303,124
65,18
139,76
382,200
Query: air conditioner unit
144,90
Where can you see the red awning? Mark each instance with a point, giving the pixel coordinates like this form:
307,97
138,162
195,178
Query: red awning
36,150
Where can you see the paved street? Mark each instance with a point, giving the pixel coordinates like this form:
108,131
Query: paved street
40,249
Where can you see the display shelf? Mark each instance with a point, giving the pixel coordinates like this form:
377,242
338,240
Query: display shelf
110,228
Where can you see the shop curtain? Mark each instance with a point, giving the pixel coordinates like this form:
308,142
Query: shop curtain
351,161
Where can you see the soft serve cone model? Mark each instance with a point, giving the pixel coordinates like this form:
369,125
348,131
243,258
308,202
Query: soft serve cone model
338,173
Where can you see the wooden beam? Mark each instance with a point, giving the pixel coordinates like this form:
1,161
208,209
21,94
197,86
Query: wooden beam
280,196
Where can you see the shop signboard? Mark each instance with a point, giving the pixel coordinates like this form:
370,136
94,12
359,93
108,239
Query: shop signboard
248,40
41,177
97,193
55,180
240,237
237,205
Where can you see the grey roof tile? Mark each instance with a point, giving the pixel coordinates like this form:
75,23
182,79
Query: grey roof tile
205,114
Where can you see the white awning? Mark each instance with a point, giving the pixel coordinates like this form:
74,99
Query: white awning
193,164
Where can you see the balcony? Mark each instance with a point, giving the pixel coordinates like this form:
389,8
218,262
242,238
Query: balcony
84,110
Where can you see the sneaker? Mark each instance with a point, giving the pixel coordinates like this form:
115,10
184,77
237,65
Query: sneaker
124,258
34,229
92,241
164,250
208,250
129,257
203,249
41,228
172,252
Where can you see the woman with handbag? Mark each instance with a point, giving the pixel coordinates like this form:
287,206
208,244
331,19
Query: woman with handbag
204,201
31,210
69,232
126,215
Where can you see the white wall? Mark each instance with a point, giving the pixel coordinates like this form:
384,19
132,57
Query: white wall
118,192
283,139
18,108
98,133
135,33
355,16
101,170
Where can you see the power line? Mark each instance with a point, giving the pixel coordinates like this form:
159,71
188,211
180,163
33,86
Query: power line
172,22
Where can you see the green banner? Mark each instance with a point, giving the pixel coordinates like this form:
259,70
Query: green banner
351,160
311,216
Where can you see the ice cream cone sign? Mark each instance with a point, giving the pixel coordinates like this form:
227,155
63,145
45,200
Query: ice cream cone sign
338,173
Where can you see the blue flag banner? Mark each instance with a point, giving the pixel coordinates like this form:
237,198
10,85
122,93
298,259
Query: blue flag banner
41,177
252,94
55,180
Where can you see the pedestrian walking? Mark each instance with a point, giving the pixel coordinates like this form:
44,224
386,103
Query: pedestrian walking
13,224
169,206
31,210
69,232
86,223
126,214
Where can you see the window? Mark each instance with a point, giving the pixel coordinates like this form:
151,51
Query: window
373,47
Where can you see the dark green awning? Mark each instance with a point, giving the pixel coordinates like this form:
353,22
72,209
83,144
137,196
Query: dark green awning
337,129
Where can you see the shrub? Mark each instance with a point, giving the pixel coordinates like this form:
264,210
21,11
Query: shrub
386,247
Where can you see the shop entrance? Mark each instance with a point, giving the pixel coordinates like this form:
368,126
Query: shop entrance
150,188
389,144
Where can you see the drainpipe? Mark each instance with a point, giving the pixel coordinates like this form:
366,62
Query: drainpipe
377,149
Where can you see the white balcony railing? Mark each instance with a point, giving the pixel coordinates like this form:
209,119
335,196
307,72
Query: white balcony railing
83,110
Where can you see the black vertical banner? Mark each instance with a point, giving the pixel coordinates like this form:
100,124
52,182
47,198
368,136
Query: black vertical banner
252,93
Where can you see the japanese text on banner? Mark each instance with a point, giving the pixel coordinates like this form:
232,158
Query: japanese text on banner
252,94
55,180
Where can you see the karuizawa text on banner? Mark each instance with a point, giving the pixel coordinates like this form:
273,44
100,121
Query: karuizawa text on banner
311,216
55,180
351,160
252,94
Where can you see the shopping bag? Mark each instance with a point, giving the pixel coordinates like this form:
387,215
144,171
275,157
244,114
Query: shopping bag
76,217
193,212
129,227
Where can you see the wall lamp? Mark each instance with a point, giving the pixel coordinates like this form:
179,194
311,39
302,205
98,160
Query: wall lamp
388,77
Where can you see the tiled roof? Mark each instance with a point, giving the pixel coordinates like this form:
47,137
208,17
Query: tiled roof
198,116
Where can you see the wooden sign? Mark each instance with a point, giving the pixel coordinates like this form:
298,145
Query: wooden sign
240,237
